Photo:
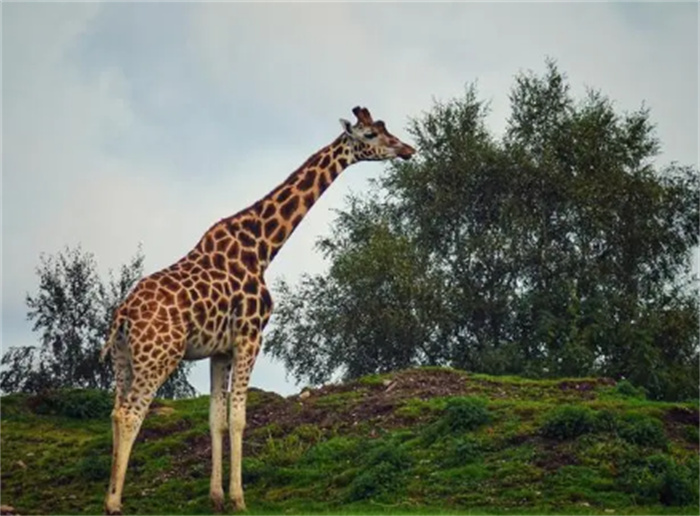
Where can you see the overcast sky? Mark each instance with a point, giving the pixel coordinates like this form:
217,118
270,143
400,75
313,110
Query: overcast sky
127,123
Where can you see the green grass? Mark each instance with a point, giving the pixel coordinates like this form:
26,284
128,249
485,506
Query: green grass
429,440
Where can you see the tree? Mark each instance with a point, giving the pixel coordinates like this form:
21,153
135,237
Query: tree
72,311
559,249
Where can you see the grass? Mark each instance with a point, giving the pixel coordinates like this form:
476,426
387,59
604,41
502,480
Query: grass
428,440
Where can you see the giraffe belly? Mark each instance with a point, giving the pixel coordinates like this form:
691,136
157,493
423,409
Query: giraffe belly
203,346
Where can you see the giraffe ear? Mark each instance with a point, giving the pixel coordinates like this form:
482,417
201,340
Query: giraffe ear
346,125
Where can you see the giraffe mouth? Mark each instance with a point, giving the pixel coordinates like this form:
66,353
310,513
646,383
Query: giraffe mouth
405,152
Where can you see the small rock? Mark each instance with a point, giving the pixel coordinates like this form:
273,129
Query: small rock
386,382
72,497
30,454
21,464
585,504
7,509
609,511
304,395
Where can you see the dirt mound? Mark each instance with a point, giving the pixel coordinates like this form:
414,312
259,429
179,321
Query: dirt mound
683,416
355,402
373,402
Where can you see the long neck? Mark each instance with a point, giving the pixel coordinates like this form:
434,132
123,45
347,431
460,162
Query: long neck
283,209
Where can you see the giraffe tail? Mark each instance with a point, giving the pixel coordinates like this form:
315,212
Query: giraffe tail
114,334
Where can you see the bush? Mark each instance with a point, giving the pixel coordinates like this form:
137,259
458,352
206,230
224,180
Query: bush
333,451
660,479
606,421
283,451
644,431
691,434
569,422
384,469
461,414
464,414
255,470
94,467
627,390
462,451
73,403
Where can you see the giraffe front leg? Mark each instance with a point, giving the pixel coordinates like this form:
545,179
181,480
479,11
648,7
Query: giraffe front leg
246,352
218,425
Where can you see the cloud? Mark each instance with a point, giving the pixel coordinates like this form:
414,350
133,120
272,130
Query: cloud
304,63
52,126
66,184
309,61
112,140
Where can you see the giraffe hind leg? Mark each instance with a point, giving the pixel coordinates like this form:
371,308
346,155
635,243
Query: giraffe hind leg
127,418
123,376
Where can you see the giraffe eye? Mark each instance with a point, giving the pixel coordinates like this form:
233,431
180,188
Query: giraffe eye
369,136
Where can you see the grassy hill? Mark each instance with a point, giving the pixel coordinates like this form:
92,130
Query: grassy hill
417,441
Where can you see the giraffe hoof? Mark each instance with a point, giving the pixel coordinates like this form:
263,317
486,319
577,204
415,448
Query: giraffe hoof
238,505
218,503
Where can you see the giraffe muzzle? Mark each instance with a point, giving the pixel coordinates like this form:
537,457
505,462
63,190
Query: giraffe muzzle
405,152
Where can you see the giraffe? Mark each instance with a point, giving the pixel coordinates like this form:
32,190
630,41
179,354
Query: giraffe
213,303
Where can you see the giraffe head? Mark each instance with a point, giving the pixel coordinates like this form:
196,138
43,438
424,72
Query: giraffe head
371,141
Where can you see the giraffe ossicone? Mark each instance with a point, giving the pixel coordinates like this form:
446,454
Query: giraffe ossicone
213,303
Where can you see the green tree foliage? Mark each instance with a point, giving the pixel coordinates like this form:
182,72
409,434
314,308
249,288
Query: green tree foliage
72,311
559,249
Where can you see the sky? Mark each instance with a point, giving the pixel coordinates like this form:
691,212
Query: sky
128,123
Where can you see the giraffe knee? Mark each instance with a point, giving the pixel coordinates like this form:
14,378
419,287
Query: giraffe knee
218,422
128,418
237,418
238,424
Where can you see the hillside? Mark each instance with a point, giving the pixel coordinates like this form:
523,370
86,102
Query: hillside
417,441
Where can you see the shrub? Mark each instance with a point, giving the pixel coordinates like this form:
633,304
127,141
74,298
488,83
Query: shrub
94,467
691,433
73,403
333,451
606,421
644,431
660,479
462,451
309,433
569,422
384,469
284,451
461,414
626,389
255,470
464,414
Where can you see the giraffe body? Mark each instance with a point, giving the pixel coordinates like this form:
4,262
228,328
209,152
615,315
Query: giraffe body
213,303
